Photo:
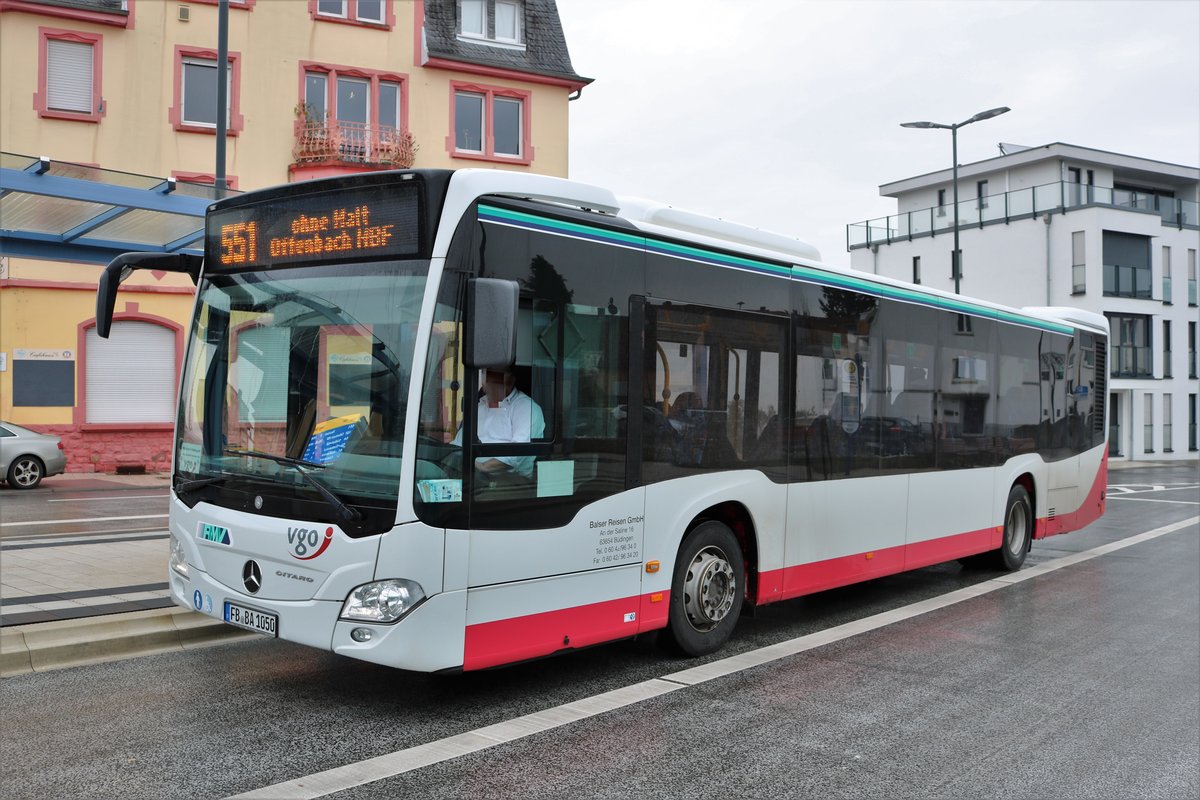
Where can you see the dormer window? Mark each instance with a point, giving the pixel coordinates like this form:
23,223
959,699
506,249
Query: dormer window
499,22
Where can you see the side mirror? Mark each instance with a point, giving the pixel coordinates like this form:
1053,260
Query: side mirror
106,296
491,316
123,266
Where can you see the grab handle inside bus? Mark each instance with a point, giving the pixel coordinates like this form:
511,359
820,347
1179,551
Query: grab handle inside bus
123,266
491,318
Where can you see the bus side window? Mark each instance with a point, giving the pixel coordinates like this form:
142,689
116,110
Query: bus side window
910,334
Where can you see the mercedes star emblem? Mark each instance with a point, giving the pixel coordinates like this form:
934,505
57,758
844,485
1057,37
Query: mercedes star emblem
252,577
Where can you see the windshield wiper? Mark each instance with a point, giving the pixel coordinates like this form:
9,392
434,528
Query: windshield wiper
344,511
187,487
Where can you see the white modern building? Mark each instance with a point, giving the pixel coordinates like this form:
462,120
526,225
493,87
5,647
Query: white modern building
1062,225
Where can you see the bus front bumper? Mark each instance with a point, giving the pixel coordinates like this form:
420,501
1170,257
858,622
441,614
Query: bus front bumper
428,639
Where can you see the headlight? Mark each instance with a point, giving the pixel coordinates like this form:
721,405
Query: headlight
178,560
383,601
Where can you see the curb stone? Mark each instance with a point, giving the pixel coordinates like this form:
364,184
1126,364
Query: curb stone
46,646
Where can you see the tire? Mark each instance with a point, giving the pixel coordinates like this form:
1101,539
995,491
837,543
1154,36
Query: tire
1018,530
707,590
1018,535
25,472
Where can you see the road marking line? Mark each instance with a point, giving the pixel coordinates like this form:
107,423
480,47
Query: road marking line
389,765
1152,500
99,538
1134,488
70,537
85,519
93,499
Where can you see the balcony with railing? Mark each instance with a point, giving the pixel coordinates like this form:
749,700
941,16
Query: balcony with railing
339,142
1121,280
1131,361
1018,204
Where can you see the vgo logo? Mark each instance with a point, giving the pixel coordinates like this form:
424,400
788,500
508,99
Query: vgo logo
303,540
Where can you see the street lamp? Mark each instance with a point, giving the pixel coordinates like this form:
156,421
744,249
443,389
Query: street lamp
956,257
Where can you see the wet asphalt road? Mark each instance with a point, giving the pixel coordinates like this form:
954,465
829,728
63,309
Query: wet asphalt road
1084,682
44,513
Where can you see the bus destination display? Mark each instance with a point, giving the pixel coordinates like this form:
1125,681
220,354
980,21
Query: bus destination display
377,222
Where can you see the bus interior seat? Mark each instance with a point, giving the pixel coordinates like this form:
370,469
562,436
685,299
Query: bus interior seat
705,444
769,444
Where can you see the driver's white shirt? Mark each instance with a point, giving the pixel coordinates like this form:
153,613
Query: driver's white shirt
517,419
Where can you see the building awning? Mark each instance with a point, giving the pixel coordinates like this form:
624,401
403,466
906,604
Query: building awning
71,212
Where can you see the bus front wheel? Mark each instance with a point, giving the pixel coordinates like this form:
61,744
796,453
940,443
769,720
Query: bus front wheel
707,590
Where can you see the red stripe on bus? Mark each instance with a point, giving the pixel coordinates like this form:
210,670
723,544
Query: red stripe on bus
505,641
818,576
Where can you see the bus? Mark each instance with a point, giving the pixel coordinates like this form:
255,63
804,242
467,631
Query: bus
725,421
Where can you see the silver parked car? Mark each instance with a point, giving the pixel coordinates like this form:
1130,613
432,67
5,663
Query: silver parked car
27,456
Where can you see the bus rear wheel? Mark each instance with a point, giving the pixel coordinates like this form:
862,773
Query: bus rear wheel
1018,530
707,590
1018,535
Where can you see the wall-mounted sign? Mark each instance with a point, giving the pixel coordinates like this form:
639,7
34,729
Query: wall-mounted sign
42,354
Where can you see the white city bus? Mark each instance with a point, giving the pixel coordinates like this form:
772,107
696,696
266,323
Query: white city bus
727,422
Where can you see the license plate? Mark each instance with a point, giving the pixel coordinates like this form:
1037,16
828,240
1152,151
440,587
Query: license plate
251,620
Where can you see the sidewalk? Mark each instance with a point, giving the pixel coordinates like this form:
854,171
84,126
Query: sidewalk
58,574
68,600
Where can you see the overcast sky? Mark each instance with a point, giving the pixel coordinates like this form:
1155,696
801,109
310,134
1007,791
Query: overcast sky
785,114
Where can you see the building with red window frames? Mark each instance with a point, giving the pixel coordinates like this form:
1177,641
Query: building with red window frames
314,88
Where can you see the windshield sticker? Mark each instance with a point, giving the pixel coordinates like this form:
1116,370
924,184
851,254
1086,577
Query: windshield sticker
303,540
440,490
213,533
189,457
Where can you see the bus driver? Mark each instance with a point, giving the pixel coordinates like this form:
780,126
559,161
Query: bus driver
505,414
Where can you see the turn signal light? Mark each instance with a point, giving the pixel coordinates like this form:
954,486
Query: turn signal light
652,566
656,597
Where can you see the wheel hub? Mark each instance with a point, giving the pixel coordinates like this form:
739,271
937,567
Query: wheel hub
709,589
1017,528
26,472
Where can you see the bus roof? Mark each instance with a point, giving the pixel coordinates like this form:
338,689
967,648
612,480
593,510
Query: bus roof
713,239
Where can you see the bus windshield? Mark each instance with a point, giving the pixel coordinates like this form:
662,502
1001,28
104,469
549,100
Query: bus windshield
295,385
